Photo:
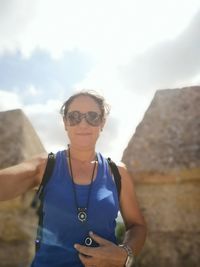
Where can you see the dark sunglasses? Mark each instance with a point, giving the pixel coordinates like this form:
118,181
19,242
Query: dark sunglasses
91,117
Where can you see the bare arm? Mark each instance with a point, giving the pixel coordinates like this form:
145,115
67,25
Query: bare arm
17,179
134,222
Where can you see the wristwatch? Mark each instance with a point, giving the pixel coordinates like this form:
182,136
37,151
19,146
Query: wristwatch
130,260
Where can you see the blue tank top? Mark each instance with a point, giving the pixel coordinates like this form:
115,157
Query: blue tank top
61,227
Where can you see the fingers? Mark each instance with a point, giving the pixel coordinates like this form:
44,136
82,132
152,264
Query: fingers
100,240
92,256
87,251
85,260
90,251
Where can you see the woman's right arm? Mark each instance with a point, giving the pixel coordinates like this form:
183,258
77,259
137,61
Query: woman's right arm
18,179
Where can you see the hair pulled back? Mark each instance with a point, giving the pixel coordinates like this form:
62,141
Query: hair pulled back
100,100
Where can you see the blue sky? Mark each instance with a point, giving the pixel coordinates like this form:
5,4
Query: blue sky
126,50
41,71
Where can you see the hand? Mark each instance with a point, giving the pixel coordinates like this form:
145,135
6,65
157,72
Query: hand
107,254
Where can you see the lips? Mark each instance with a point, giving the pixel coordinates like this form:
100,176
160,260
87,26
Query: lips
83,134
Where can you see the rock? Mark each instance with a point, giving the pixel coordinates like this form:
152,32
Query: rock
18,140
163,156
168,136
18,221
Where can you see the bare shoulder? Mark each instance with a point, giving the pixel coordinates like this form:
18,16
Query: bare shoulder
41,162
38,162
40,158
16,180
126,178
124,172
127,183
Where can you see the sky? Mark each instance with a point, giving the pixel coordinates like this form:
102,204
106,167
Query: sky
123,49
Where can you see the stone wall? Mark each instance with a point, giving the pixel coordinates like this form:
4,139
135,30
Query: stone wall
163,157
18,141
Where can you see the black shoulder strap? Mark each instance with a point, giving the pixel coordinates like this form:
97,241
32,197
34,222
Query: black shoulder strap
47,174
39,195
116,174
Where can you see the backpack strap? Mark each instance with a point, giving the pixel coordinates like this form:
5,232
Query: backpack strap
47,174
37,202
116,175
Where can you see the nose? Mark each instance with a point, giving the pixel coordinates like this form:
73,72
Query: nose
83,121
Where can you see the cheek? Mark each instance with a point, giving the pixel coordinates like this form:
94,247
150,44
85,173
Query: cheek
70,131
97,131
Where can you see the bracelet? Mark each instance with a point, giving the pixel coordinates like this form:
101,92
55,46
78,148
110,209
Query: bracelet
130,255
127,248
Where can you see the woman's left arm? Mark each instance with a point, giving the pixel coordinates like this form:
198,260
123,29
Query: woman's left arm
134,221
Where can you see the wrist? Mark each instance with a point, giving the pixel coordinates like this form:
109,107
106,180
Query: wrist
130,258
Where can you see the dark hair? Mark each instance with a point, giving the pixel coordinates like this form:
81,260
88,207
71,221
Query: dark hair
104,107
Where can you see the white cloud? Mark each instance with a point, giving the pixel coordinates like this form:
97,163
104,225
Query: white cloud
15,19
9,100
33,91
111,32
47,121
167,64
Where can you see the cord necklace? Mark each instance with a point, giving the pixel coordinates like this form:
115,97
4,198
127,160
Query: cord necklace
82,212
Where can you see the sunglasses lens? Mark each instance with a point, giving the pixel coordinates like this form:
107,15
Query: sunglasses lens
93,118
74,118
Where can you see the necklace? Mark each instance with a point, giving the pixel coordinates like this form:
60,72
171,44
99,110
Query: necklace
81,211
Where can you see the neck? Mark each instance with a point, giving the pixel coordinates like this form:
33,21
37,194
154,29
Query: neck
83,156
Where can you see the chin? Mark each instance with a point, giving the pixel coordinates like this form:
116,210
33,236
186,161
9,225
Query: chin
84,144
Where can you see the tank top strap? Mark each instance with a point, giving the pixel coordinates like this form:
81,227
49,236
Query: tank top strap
104,166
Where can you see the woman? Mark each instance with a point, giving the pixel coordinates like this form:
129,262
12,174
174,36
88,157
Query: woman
80,200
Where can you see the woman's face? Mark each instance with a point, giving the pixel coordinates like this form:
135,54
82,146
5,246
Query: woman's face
83,134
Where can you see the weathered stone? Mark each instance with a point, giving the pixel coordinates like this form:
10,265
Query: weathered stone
18,142
169,135
14,256
163,157
161,252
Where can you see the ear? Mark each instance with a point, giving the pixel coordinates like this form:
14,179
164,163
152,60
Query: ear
103,123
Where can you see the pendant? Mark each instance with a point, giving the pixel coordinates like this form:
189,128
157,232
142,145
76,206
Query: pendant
82,215
88,241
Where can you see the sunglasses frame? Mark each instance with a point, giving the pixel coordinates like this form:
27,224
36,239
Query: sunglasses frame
85,116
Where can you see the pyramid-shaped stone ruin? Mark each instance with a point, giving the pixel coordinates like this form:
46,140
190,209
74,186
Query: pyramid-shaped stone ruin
163,157
168,137
18,139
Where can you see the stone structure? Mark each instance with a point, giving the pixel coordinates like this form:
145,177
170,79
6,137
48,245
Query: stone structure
163,157
18,141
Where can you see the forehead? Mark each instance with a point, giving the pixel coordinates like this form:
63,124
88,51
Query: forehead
83,104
